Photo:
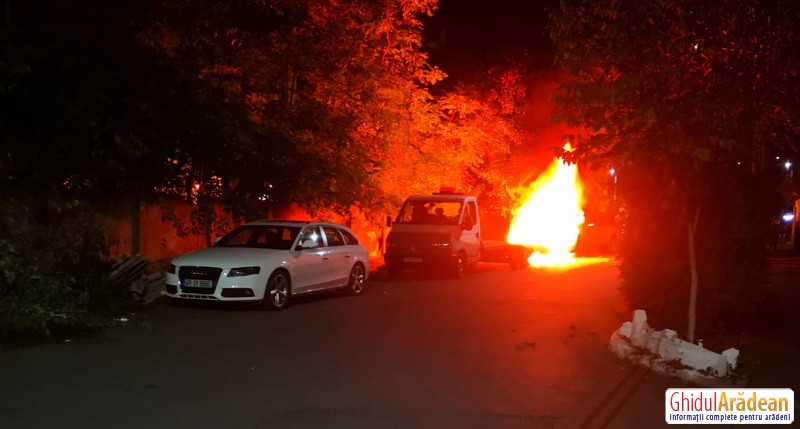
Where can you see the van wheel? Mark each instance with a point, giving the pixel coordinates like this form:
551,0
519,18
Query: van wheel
459,265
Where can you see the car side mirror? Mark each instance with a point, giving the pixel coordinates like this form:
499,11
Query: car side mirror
466,225
309,243
389,221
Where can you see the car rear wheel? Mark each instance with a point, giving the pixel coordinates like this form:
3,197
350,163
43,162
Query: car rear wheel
517,258
277,292
355,285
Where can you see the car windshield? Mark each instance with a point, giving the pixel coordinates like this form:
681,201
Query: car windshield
261,236
426,212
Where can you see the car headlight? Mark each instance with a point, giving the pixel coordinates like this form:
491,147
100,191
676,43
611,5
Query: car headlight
243,271
172,269
443,245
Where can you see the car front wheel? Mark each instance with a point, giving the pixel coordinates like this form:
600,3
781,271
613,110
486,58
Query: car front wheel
459,265
277,292
355,284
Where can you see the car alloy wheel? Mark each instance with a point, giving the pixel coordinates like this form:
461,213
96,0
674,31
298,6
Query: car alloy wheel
278,291
357,278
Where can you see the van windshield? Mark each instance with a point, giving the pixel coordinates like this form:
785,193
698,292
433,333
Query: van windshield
426,212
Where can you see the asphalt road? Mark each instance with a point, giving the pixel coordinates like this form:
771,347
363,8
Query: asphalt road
497,349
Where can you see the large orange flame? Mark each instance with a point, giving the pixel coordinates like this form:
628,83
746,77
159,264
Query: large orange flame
551,215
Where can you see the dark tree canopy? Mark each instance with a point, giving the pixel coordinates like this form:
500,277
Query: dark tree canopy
685,100
342,92
325,104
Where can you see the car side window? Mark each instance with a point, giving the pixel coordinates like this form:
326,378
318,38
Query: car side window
287,236
333,236
349,239
312,233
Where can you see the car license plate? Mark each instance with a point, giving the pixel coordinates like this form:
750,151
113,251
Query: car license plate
413,260
198,283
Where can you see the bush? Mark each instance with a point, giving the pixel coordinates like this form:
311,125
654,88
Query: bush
32,299
51,271
730,244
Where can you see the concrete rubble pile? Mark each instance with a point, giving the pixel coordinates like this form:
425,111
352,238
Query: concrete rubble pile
148,287
133,272
635,340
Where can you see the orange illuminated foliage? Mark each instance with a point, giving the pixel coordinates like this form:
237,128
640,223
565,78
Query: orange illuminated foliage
550,216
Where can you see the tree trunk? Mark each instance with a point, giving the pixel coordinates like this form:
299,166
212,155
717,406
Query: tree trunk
136,221
693,271
207,233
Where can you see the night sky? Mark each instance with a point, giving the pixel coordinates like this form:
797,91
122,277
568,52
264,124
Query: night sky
465,37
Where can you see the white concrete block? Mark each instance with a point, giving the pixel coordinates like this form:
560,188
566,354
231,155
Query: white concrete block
670,349
653,341
732,356
625,330
665,346
669,334
619,346
639,339
639,322
701,359
721,367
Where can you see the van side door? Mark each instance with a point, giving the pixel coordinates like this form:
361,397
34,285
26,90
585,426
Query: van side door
471,231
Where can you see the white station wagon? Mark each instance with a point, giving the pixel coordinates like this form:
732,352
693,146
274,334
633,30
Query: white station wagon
270,262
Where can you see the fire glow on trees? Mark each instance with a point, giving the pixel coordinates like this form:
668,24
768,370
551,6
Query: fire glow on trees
550,216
